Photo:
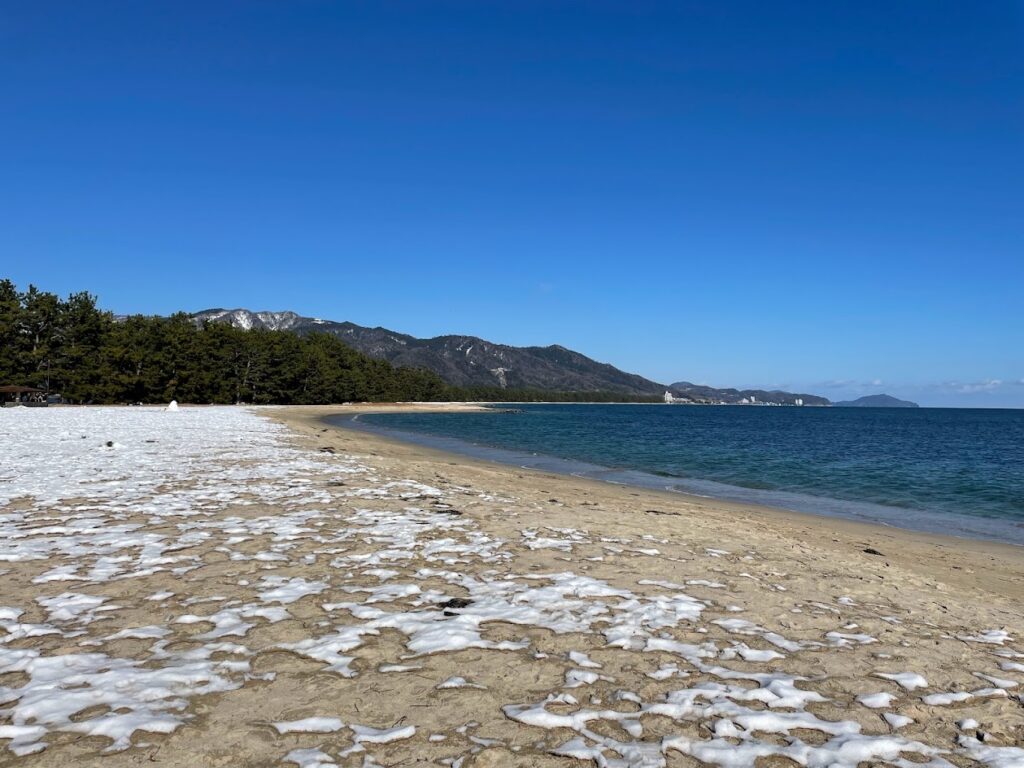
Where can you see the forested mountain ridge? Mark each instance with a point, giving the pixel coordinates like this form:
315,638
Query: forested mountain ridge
71,347
87,355
462,361
468,361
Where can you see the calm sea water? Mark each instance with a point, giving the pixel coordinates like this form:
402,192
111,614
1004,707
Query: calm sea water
954,471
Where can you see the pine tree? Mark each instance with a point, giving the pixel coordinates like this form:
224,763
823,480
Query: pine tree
36,342
10,321
73,347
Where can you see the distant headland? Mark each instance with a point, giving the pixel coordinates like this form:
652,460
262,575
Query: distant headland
876,401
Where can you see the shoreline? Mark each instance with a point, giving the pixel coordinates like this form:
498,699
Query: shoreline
996,567
958,526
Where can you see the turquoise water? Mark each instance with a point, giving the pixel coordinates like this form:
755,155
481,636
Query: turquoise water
956,471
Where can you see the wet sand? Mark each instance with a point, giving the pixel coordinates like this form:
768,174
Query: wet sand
956,562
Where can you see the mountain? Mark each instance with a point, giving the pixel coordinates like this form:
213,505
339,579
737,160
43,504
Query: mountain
876,401
705,394
460,360
469,361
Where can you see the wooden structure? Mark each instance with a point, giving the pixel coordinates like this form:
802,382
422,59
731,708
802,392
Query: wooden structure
13,395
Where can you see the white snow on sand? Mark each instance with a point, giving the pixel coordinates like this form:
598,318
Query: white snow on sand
310,725
133,493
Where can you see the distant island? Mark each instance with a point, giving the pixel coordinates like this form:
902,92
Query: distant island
876,401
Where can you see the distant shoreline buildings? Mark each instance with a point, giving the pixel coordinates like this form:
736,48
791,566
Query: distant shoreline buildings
671,399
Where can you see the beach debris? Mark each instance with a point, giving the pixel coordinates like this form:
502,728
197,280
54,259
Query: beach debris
456,602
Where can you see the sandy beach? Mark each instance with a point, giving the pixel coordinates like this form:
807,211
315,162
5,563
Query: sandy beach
251,587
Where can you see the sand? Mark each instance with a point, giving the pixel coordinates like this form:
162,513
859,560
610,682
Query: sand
389,604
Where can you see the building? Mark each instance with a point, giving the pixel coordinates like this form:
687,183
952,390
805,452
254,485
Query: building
12,395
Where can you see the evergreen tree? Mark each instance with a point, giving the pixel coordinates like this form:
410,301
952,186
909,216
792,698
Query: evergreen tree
36,339
82,352
10,323
77,370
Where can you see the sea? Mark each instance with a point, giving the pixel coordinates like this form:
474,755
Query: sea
958,472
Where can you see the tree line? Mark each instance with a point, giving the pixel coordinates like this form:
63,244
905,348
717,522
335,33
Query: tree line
87,355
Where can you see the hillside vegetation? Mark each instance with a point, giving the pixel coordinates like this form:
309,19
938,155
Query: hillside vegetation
71,347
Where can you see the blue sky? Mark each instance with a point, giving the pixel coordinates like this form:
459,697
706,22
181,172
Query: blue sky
819,196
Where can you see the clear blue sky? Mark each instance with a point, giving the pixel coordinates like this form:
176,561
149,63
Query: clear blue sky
818,196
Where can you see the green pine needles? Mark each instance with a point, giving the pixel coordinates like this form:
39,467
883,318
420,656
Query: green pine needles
72,348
